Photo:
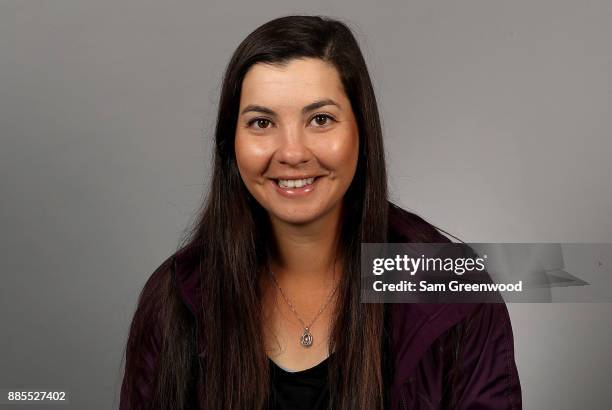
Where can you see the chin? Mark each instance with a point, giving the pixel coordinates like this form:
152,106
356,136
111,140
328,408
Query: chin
296,219
301,217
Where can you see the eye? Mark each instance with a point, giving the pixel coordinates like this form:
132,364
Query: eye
322,120
262,123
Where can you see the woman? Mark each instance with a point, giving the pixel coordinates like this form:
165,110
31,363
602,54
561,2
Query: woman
260,307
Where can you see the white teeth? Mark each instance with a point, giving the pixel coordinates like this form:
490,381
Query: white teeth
294,183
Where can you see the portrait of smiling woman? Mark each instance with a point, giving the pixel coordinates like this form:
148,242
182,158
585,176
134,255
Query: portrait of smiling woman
260,307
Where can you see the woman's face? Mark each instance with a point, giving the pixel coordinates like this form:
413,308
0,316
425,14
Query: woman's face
296,124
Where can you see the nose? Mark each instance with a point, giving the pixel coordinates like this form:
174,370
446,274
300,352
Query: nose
292,147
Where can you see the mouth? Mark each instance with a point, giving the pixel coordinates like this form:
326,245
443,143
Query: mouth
296,187
295,183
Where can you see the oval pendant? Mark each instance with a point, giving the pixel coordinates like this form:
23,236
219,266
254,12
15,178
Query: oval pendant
306,338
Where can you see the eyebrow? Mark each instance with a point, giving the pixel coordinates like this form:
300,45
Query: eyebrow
305,110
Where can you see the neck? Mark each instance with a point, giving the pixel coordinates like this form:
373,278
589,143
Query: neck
307,254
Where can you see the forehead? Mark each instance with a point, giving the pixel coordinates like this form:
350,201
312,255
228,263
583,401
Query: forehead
299,82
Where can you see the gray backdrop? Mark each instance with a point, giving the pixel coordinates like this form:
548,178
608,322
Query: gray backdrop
497,124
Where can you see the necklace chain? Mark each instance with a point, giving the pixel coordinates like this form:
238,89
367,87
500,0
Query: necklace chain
306,339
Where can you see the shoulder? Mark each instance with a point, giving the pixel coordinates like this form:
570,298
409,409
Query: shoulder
416,326
145,340
469,347
467,360
406,226
151,296
487,373
162,287
487,328
150,303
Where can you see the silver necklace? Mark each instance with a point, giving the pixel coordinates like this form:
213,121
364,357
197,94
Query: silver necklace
306,337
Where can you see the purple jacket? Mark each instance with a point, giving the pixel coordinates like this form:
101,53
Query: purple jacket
421,337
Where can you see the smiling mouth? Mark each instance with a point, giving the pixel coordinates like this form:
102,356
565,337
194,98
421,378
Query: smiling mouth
295,183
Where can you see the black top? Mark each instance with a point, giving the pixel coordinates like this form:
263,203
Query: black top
303,390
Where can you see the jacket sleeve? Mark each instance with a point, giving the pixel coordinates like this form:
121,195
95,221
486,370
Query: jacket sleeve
489,377
144,343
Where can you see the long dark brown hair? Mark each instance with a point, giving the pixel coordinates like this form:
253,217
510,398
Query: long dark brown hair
231,238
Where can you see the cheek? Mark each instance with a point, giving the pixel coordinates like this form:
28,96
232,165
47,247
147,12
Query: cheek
250,156
341,152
